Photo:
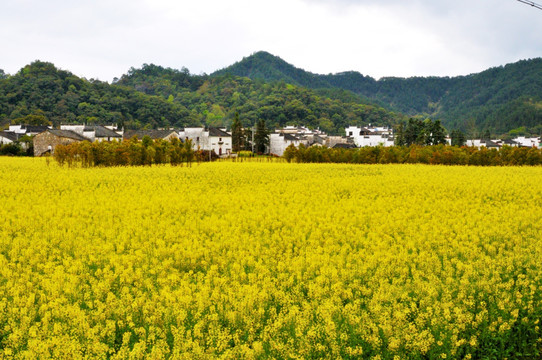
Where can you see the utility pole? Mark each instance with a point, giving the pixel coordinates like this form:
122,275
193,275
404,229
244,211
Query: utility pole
533,4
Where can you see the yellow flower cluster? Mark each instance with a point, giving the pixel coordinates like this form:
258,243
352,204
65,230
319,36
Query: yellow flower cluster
269,260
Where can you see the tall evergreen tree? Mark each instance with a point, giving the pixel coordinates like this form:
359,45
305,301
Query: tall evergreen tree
458,138
237,136
261,137
438,133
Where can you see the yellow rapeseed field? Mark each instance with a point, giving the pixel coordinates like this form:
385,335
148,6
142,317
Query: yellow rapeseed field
270,260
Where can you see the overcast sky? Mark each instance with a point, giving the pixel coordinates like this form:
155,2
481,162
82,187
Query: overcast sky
102,39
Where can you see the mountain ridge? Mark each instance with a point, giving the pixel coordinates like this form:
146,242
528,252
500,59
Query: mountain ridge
499,98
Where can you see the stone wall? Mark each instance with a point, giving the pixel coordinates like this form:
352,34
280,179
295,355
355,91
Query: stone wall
47,142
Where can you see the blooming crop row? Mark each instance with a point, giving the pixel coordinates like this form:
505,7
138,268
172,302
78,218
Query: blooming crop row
269,260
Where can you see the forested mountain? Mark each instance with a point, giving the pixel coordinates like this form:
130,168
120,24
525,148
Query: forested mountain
498,99
216,99
154,96
263,86
40,92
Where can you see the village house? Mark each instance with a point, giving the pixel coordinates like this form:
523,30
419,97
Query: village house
370,136
528,141
8,137
46,141
297,135
278,142
29,130
94,132
215,139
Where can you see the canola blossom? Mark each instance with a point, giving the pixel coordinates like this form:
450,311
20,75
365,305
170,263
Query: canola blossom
270,261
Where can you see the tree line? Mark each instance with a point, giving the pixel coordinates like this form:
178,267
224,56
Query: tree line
129,153
417,154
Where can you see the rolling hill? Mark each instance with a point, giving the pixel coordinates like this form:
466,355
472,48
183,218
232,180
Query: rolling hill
498,99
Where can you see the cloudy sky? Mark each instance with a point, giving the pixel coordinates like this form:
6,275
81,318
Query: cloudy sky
102,39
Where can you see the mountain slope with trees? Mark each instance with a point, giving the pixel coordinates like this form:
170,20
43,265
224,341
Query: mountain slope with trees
499,99
154,96
40,92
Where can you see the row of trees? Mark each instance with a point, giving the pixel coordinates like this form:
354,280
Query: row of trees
242,137
420,132
128,153
433,154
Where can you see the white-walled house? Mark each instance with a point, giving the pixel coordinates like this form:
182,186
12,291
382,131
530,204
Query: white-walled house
220,141
8,137
29,130
93,132
528,141
214,139
483,143
297,135
278,142
370,136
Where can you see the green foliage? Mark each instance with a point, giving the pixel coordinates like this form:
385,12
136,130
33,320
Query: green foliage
126,153
420,132
417,154
33,119
237,137
458,138
40,92
261,137
154,96
12,149
219,97
500,99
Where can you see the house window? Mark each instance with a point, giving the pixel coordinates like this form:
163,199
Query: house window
219,139
197,139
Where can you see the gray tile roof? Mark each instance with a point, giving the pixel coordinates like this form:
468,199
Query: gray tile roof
153,134
218,132
9,135
103,132
290,137
344,146
68,134
34,128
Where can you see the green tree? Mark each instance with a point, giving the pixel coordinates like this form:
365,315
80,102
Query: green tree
237,137
261,137
438,133
458,138
400,135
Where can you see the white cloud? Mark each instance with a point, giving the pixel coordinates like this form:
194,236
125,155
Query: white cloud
103,39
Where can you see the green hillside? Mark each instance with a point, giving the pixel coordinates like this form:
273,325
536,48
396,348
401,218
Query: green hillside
41,92
153,96
498,99
214,100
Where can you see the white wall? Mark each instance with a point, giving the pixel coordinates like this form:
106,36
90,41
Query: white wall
379,138
4,140
277,144
220,145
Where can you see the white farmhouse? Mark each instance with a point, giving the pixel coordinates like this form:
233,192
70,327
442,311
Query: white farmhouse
370,136
479,143
278,142
29,130
93,132
7,137
214,139
528,141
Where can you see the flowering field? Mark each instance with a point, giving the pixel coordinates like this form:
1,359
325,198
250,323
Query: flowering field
270,260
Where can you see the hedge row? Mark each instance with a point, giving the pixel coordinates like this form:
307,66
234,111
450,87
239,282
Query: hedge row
437,154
